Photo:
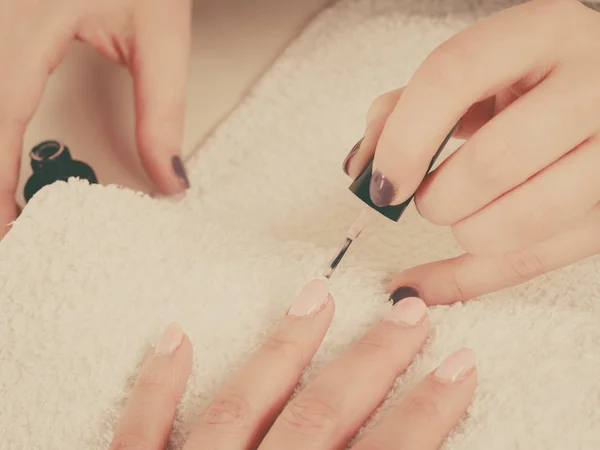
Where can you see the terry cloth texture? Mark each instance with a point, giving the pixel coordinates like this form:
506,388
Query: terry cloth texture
90,274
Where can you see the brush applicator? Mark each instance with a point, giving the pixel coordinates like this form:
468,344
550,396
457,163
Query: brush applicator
360,187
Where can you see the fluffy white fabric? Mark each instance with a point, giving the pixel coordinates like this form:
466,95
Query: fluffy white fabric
90,274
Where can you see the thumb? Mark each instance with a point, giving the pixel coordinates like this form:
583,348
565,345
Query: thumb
159,69
466,276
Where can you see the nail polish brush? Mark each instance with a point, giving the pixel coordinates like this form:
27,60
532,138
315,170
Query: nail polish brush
361,188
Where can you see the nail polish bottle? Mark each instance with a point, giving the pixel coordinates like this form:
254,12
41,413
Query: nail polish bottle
51,161
360,186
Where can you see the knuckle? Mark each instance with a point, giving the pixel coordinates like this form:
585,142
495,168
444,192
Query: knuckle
522,265
425,409
310,414
153,383
232,410
281,346
444,66
130,442
455,290
376,341
494,157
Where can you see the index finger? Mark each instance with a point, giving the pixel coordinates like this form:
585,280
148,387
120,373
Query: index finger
468,68
150,410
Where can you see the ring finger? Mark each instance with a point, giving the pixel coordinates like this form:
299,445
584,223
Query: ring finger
431,410
331,410
546,204
512,147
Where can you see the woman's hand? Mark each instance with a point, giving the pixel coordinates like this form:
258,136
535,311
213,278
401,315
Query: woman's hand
522,193
150,37
251,409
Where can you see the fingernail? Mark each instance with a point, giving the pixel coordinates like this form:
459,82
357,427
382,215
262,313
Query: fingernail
170,339
311,299
350,155
179,170
381,189
402,293
457,366
409,311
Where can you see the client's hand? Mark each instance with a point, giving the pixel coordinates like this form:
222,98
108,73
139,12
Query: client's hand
250,410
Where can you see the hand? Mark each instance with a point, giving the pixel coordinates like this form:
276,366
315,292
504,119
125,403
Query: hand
150,37
329,411
521,194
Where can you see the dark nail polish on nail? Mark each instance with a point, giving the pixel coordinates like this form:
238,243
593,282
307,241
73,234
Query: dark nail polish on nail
179,169
381,189
403,292
350,155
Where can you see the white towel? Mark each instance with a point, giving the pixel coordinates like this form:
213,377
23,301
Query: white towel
90,274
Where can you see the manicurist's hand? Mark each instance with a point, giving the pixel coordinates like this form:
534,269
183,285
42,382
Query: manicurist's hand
150,37
251,410
521,194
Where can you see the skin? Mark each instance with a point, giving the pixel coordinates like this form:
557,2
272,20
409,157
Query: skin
150,37
251,410
522,193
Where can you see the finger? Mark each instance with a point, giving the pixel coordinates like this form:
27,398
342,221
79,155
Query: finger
21,86
332,409
547,203
363,151
512,148
467,276
159,68
150,410
431,411
468,68
378,114
248,403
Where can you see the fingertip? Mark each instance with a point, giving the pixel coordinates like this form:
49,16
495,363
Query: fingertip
427,202
311,300
180,171
9,211
457,367
437,283
377,115
162,161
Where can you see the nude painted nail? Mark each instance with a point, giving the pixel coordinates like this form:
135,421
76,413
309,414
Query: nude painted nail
311,299
180,171
457,366
381,189
350,155
170,339
409,312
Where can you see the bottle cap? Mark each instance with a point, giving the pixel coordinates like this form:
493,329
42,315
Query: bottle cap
361,185
49,155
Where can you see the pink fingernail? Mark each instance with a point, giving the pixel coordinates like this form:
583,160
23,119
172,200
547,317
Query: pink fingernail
170,339
311,299
457,366
409,312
